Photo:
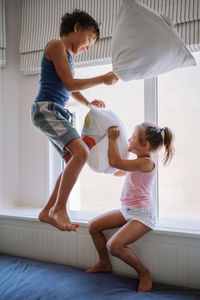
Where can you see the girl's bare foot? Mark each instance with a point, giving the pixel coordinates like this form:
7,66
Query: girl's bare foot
145,284
100,267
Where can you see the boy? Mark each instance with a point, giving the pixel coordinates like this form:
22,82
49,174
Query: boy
78,32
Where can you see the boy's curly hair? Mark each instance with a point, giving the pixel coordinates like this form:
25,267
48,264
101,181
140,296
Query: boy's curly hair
84,20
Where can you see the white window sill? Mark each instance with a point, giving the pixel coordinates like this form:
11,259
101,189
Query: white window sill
175,227
179,226
31,214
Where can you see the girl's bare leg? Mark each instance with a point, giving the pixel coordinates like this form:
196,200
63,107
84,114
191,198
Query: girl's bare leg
58,216
117,246
96,226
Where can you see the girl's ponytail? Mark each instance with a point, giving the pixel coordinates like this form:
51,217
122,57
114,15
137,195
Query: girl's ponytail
168,138
158,137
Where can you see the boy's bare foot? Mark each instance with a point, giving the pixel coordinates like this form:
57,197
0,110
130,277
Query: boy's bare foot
100,267
145,284
59,220
44,216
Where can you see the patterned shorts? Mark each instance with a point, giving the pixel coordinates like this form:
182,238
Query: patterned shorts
56,123
145,215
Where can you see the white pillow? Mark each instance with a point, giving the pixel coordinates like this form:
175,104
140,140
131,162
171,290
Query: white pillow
145,44
95,135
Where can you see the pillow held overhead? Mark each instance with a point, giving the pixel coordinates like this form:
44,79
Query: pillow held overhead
95,135
145,44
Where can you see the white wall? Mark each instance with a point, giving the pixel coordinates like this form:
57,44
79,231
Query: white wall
9,113
33,148
23,156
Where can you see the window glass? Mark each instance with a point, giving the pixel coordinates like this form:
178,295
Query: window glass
179,109
95,192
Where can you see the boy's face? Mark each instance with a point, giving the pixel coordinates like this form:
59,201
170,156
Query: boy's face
84,39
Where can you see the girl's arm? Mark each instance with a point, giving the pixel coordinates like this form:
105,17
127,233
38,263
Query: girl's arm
120,173
140,164
56,52
80,98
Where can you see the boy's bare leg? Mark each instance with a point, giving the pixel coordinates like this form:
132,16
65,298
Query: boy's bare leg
58,214
44,214
96,226
117,246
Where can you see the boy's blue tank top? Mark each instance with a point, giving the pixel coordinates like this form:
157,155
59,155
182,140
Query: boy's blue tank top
51,87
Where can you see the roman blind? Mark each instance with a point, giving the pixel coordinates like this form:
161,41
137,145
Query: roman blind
41,19
2,34
186,16
40,23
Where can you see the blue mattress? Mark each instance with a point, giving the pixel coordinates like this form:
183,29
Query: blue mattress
27,279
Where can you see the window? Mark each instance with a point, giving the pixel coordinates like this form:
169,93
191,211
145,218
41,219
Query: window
173,101
179,108
96,192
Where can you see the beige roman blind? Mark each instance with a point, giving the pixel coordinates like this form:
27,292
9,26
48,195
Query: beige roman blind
40,23
2,34
41,20
186,16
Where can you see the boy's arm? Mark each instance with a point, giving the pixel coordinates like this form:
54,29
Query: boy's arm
80,98
139,164
56,52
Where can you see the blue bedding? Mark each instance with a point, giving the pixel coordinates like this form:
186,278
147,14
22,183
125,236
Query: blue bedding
27,279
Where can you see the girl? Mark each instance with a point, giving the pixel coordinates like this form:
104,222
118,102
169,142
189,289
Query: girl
78,33
136,216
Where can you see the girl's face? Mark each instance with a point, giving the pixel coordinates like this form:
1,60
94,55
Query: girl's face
84,39
134,143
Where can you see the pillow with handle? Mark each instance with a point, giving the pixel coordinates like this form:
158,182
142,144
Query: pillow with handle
95,135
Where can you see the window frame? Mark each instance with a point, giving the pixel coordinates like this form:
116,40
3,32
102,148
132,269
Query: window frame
150,115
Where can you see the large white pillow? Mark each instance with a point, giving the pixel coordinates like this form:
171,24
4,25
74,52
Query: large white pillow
95,135
145,44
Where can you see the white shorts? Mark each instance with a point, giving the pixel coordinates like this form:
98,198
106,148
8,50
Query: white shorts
145,215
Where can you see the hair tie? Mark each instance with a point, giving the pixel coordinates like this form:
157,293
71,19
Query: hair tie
162,129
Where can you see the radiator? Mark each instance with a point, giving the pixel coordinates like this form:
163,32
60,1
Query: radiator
171,259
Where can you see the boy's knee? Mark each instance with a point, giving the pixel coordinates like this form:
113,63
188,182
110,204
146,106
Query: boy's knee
78,149
81,154
86,152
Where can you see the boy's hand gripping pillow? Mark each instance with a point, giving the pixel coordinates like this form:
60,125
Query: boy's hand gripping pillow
145,44
95,135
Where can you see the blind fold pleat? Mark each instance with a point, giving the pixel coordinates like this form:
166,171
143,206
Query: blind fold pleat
41,20
179,11
190,34
2,34
186,16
